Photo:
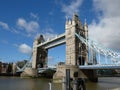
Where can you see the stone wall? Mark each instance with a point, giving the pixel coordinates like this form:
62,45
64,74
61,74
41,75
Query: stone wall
61,72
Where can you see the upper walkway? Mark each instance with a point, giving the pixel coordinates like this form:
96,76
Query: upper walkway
53,42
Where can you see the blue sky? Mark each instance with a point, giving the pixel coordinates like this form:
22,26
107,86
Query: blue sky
21,21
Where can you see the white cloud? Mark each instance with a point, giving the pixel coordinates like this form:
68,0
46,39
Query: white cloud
108,7
74,6
107,30
35,16
48,34
16,31
31,26
24,48
4,25
49,30
50,58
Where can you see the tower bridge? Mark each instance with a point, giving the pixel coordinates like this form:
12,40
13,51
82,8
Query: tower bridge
78,55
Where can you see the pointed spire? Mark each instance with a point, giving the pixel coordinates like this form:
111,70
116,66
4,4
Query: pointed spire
75,17
75,14
85,24
41,39
66,18
86,29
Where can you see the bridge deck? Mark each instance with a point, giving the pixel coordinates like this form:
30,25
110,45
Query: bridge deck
100,66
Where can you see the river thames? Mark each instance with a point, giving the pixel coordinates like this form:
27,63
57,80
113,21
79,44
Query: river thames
16,83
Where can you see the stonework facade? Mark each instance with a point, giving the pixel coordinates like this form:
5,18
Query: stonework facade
39,59
61,72
34,56
29,72
76,51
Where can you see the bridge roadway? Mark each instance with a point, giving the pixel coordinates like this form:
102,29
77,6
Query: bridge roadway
41,70
53,42
97,66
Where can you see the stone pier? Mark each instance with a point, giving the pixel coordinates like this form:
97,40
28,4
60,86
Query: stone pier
86,74
61,72
91,75
29,72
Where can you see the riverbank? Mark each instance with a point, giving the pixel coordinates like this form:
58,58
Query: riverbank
9,74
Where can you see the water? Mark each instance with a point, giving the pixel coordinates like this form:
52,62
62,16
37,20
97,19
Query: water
106,83
15,83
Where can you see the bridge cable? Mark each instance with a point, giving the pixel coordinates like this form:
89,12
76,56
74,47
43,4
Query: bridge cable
99,49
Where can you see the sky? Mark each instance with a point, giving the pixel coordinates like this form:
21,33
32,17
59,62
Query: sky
21,21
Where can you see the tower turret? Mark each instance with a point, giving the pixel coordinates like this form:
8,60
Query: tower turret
86,37
75,17
72,43
76,21
41,39
86,29
39,53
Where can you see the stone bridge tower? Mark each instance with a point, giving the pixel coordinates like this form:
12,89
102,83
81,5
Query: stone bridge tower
39,59
76,51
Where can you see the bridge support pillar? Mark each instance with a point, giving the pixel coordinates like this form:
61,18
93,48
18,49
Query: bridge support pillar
90,74
61,72
29,72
